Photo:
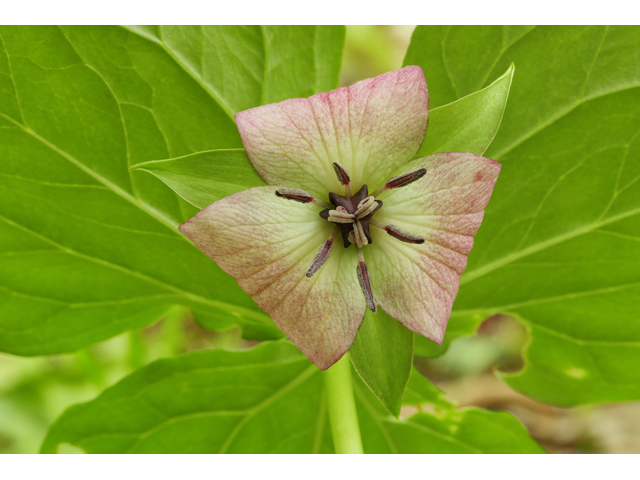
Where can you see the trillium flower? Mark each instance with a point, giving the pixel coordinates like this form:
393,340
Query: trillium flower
349,219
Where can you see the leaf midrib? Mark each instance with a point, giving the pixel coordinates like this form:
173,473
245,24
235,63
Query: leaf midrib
206,87
286,389
514,307
143,206
166,221
251,314
556,117
490,267
139,204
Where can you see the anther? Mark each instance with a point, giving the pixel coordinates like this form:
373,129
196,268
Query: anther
352,238
398,233
300,196
323,254
365,281
340,215
343,177
366,207
359,235
401,180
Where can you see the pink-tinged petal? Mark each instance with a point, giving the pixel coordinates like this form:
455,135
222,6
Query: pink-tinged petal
371,128
267,244
417,283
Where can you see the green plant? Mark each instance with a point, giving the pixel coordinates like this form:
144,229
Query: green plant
112,137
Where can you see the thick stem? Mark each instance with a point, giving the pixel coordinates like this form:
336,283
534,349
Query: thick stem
342,407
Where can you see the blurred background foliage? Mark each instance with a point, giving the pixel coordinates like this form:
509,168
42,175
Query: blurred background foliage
35,391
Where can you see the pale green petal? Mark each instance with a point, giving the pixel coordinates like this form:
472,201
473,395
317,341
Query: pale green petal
267,244
417,284
371,128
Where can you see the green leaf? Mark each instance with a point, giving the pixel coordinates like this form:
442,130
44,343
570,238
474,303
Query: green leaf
300,61
266,400
89,249
439,427
204,177
559,244
382,354
243,67
468,124
453,65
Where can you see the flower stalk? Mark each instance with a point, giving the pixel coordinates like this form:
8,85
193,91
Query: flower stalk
342,407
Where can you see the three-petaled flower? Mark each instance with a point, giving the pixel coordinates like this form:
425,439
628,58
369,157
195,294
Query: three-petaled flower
341,164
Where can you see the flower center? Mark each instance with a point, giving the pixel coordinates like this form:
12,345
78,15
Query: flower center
353,216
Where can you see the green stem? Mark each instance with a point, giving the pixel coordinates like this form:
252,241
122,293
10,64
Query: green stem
342,407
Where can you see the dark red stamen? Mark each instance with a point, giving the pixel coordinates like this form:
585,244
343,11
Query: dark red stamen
365,282
405,179
323,254
400,234
295,194
342,174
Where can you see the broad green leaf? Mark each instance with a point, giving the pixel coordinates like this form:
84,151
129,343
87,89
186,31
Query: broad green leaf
204,177
243,67
438,427
89,249
266,400
468,124
453,65
300,60
382,354
560,240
